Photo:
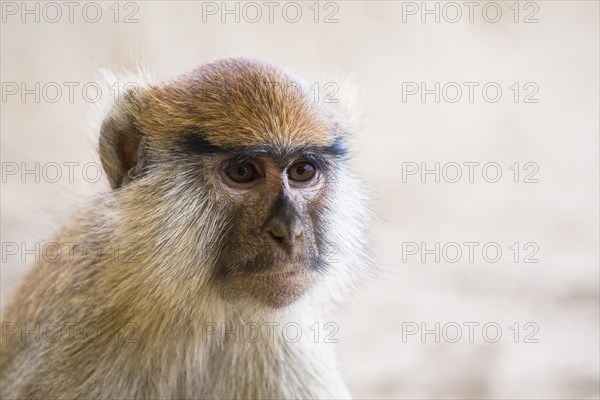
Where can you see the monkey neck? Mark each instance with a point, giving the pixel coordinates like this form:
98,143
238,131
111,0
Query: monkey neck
277,357
242,353
279,366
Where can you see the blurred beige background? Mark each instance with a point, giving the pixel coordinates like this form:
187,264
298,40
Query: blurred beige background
380,44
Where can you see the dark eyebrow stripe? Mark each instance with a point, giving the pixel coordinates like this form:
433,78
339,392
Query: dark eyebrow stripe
198,144
337,148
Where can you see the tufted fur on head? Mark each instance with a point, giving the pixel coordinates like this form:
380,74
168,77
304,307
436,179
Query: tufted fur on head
168,230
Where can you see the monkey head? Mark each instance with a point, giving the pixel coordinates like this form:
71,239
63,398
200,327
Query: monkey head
233,177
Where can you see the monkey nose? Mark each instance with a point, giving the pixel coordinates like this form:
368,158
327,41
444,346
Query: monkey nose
285,234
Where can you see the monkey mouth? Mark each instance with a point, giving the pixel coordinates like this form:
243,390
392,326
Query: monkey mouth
284,271
285,275
275,281
276,285
280,288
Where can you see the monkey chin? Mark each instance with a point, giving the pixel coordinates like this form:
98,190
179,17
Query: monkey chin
277,288
282,289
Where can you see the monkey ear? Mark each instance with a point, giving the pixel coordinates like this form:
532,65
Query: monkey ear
123,146
123,150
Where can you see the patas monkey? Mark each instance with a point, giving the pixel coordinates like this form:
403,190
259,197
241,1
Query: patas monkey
230,188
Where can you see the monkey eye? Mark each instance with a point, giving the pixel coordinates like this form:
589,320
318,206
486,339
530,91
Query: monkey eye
241,173
301,171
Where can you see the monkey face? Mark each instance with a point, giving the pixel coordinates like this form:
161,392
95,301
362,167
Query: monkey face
272,249
250,153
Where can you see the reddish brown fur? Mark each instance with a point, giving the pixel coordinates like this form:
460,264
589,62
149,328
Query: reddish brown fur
233,102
